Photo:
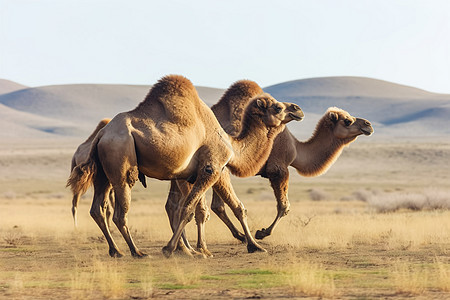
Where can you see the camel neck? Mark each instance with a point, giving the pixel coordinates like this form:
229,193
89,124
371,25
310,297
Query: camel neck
316,155
229,119
252,148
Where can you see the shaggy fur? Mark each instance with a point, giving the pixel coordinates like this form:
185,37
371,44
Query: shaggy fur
82,152
233,102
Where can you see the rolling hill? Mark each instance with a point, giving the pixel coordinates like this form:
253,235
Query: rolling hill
74,110
7,86
395,110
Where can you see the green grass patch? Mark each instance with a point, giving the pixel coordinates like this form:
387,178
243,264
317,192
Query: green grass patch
250,272
169,286
210,277
255,278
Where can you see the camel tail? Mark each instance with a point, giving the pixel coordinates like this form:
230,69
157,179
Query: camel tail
82,176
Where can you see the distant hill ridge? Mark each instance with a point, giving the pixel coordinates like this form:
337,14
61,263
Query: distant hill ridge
8,86
74,109
347,86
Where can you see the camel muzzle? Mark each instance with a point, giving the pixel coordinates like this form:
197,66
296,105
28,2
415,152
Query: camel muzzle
367,131
296,117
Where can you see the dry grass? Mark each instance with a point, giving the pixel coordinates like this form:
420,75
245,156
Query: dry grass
323,249
409,279
352,253
310,279
443,276
429,199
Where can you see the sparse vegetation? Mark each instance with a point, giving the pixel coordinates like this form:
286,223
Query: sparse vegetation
409,279
323,249
308,279
318,195
13,237
429,199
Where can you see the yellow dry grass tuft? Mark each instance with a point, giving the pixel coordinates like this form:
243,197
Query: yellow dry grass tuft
409,279
309,279
185,275
443,276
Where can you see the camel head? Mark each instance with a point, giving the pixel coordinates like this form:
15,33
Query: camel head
346,127
270,111
294,112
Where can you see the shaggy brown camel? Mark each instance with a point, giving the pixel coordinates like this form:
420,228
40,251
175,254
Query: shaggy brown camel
81,155
336,129
172,134
229,111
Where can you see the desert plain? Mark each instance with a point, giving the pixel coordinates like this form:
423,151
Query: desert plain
376,225
341,239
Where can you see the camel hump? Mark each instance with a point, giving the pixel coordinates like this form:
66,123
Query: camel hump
172,87
232,104
174,99
240,92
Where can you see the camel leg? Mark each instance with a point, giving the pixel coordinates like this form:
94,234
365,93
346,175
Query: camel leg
98,212
175,199
226,192
201,216
279,182
218,207
120,218
183,189
110,207
206,176
75,200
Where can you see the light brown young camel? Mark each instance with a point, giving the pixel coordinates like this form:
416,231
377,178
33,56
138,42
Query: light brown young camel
336,129
172,134
81,155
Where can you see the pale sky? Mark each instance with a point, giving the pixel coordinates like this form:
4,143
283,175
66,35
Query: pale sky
214,43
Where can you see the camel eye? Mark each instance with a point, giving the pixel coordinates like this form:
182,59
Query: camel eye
347,122
277,109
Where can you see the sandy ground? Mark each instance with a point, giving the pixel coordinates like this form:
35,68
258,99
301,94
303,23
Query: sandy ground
351,250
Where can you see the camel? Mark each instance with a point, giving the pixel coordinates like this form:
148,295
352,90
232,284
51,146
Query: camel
80,155
228,110
335,130
172,134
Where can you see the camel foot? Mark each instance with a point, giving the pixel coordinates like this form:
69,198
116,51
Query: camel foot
167,251
239,236
115,253
139,254
184,251
251,248
260,234
196,254
206,253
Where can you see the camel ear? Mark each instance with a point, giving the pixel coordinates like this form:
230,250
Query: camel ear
260,103
333,116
